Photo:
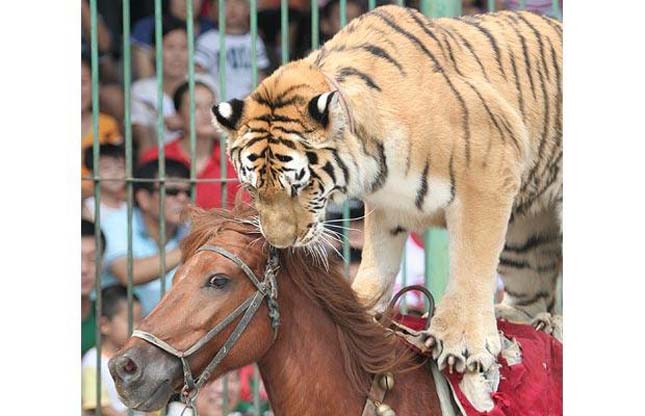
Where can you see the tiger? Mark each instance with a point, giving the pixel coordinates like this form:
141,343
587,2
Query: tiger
450,122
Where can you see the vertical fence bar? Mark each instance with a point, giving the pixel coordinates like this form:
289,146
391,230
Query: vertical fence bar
254,82
371,4
404,275
254,39
160,145
284,30
129,156
256,390
437,261
190,31
555,9
436,264
522,4
221,18
315,31
94,67
491,5
424,7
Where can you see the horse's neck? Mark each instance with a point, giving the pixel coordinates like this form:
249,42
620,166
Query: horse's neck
303,371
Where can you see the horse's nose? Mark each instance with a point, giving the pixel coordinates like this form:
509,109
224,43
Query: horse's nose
125,368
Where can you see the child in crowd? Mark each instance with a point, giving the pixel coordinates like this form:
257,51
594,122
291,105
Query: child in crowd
88,275
239,81
111,170
114,334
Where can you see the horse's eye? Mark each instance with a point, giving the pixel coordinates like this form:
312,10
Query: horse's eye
218,281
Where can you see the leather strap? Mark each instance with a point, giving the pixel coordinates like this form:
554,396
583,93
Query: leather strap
374,398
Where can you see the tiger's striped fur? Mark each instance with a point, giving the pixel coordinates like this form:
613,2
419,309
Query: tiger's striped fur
454,122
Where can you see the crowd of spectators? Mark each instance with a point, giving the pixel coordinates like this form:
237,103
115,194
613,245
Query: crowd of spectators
174,109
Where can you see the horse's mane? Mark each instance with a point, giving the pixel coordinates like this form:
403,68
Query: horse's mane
367,347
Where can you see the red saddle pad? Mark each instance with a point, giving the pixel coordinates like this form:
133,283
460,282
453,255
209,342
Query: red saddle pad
532,387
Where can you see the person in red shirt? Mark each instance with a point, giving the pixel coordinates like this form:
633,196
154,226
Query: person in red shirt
207,148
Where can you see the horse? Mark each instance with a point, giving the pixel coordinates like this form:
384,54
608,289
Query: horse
318,349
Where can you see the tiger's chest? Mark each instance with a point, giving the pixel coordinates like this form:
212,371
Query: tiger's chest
409,198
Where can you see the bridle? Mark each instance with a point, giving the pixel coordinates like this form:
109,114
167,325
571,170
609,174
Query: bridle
266,288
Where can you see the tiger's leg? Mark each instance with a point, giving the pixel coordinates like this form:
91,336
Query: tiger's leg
530,265
381,258
463,331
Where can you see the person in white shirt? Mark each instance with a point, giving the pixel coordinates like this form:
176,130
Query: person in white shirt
238,70
144,91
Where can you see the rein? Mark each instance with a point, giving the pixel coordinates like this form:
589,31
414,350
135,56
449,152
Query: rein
267,288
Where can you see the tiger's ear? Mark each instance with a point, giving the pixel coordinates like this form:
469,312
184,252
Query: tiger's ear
228,114
326,110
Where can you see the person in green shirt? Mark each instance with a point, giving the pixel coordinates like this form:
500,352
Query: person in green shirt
88,274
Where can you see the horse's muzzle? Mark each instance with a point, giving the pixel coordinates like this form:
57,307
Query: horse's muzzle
144,376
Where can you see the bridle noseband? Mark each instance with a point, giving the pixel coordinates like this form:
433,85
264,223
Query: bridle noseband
266,288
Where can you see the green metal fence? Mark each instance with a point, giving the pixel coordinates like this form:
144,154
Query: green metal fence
435,240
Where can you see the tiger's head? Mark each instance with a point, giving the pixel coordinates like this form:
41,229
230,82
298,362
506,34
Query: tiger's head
285,142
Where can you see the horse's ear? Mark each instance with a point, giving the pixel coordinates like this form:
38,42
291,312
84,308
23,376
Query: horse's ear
227,114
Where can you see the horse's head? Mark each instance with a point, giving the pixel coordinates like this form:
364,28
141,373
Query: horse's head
208,288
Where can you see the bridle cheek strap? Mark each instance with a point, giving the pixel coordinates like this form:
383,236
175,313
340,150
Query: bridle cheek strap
266,289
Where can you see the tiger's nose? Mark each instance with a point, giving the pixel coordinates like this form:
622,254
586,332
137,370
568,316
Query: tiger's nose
125,368
279,232
282,240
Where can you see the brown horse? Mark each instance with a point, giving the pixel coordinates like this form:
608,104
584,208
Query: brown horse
327,349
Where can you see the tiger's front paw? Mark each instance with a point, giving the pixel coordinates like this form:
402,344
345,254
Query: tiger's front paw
463,336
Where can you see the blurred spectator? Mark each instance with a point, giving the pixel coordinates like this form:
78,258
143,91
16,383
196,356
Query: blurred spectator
207,146
270,28
105,42
88,276
330,17
114,334
108,127
143,35
544,7
110,93
329,23
146,232
239,82
144,91
112,173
